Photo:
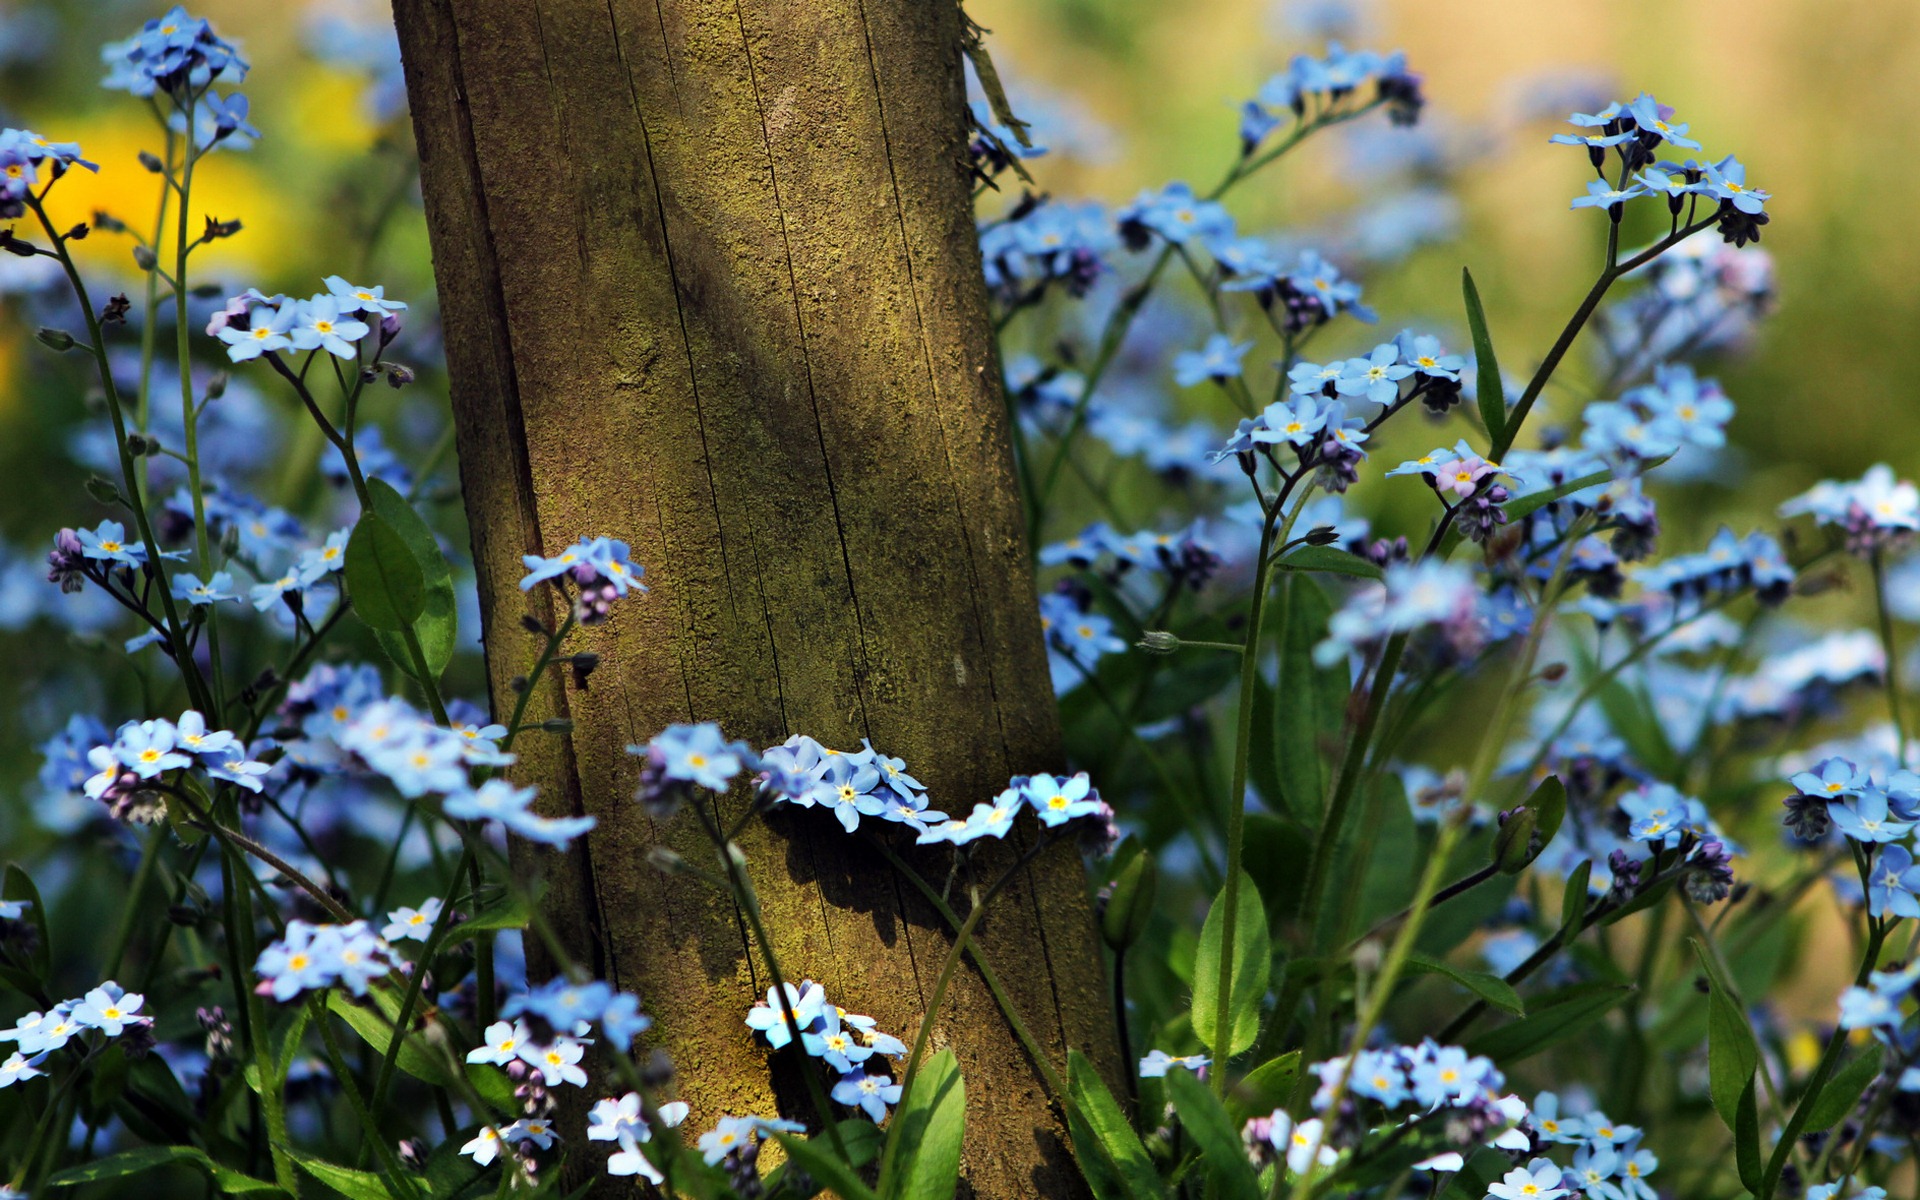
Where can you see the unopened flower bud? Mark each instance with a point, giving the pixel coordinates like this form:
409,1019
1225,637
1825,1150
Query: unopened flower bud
55,339
144,258
151,162
1158,641
1322,535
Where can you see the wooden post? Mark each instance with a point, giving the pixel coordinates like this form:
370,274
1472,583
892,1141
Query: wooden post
710,284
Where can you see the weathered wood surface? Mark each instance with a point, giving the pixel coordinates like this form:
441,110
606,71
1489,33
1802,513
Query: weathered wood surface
710,284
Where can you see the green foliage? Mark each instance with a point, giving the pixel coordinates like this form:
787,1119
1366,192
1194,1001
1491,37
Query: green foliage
929,1121
1251,959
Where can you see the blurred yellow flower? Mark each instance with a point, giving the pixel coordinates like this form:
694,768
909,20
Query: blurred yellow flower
226,185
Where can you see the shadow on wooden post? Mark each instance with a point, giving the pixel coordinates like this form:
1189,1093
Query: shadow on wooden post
711,284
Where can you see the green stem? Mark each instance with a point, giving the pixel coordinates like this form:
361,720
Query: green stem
129,472
1829,1061
961,938
372,1132
403,1019
1237,804
1564,342
142,876
1892,672
189,417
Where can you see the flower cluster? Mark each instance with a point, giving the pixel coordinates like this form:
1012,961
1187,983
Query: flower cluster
23,155
110,1010
624,1123
1077,636
1876,814
1042,243
601,570
1186,556
130,773
1318,88
1635,131
1301,293
850,1045
1653,422
311,958
254,324
176,54
1607,1160
1874,512
1728,565
1409,597
849,784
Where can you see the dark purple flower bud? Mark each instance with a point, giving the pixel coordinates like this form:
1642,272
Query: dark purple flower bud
66,562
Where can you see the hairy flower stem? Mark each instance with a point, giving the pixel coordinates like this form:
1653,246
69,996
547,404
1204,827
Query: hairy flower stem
372,1132
129,471
1242,754
1131,303
189,417
1613,272
1829,1061
961,938
748,900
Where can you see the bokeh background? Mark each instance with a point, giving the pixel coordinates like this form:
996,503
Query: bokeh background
1816,97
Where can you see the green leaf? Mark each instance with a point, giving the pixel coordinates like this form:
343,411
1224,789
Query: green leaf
1732,1055
513,912
1278,852
817,1158
1492,391
929,1122
1573,902
1843,1090
1310,702
375,1025
1746,1139
1631,714
1115,1163
1491,988
861,1139
1484,1168
1553,1018
383,578
147,1158
1521,506
1549,805
1329,558
1647,898
438,625
18,885
1265,1088
127,1162
355,1185
1213,1131
1252,958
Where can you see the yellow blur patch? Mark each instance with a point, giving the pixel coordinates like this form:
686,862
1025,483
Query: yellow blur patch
329,110
1803,1052
225,186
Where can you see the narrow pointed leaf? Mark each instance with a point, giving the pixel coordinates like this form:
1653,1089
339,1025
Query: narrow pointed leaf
1493,393
1491,988
1213,1131
1843,1090
1116,1165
